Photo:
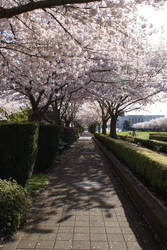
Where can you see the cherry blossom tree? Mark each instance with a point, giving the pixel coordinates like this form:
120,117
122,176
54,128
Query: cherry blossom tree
134,86
39,83
65,105
89,113
155,124
64,38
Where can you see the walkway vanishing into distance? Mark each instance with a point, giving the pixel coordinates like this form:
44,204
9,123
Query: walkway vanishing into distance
84,208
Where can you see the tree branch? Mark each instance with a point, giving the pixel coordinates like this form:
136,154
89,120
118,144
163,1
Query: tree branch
13,11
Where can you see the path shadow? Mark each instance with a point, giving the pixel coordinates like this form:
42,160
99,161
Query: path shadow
84,181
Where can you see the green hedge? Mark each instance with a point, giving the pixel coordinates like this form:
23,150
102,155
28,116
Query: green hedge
159,146
126,138
47,146
70,135
14,205
18,150
158,137
92,128
149,165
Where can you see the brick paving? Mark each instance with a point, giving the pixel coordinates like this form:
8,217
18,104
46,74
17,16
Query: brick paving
84,208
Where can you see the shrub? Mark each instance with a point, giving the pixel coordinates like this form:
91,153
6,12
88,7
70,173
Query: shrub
18,150
47,146
126,138
158,146
19,116
92,128
14,204
70,135
158,137
149,165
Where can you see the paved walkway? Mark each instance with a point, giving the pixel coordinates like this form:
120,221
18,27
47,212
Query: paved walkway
84,208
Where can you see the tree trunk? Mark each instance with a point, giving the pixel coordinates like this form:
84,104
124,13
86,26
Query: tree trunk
98,128
113,127
56,114
104,125
67,123
35,116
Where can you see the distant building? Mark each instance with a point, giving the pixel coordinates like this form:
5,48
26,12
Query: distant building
135,119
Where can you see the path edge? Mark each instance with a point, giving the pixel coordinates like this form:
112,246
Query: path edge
153,210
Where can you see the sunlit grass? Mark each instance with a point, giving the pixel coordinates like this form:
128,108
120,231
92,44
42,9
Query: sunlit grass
37,182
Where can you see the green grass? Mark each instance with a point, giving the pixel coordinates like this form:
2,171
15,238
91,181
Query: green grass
37,182
140,134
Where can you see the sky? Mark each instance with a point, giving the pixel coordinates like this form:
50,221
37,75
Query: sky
159,19
156,109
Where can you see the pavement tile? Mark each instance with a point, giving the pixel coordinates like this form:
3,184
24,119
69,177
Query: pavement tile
81,212
97,229
117,246
49,236
130,237
112,219
115,237
112,224
29,236
81,230
98,237
126,230
81,244
45,244
67,223
64,236
111,230
26,244
65,229
41,248
63,245
97,245
122,219
123,224
81,223
81,236
10,245
97,223
26,249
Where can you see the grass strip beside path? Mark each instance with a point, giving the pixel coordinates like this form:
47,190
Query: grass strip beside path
37,182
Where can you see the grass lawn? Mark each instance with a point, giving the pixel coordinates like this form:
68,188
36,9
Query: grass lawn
37,182
140,134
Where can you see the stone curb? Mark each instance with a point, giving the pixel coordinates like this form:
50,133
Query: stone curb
152,209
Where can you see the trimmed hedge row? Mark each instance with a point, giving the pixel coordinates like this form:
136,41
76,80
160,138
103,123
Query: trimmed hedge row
159,146
14,204
149,165
26,147
70,135
158,137
18,150
126,138
48,142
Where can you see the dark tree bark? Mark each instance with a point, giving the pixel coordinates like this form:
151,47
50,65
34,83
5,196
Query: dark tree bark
37,111
98,128
32,5
104,126
113,126
35,116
